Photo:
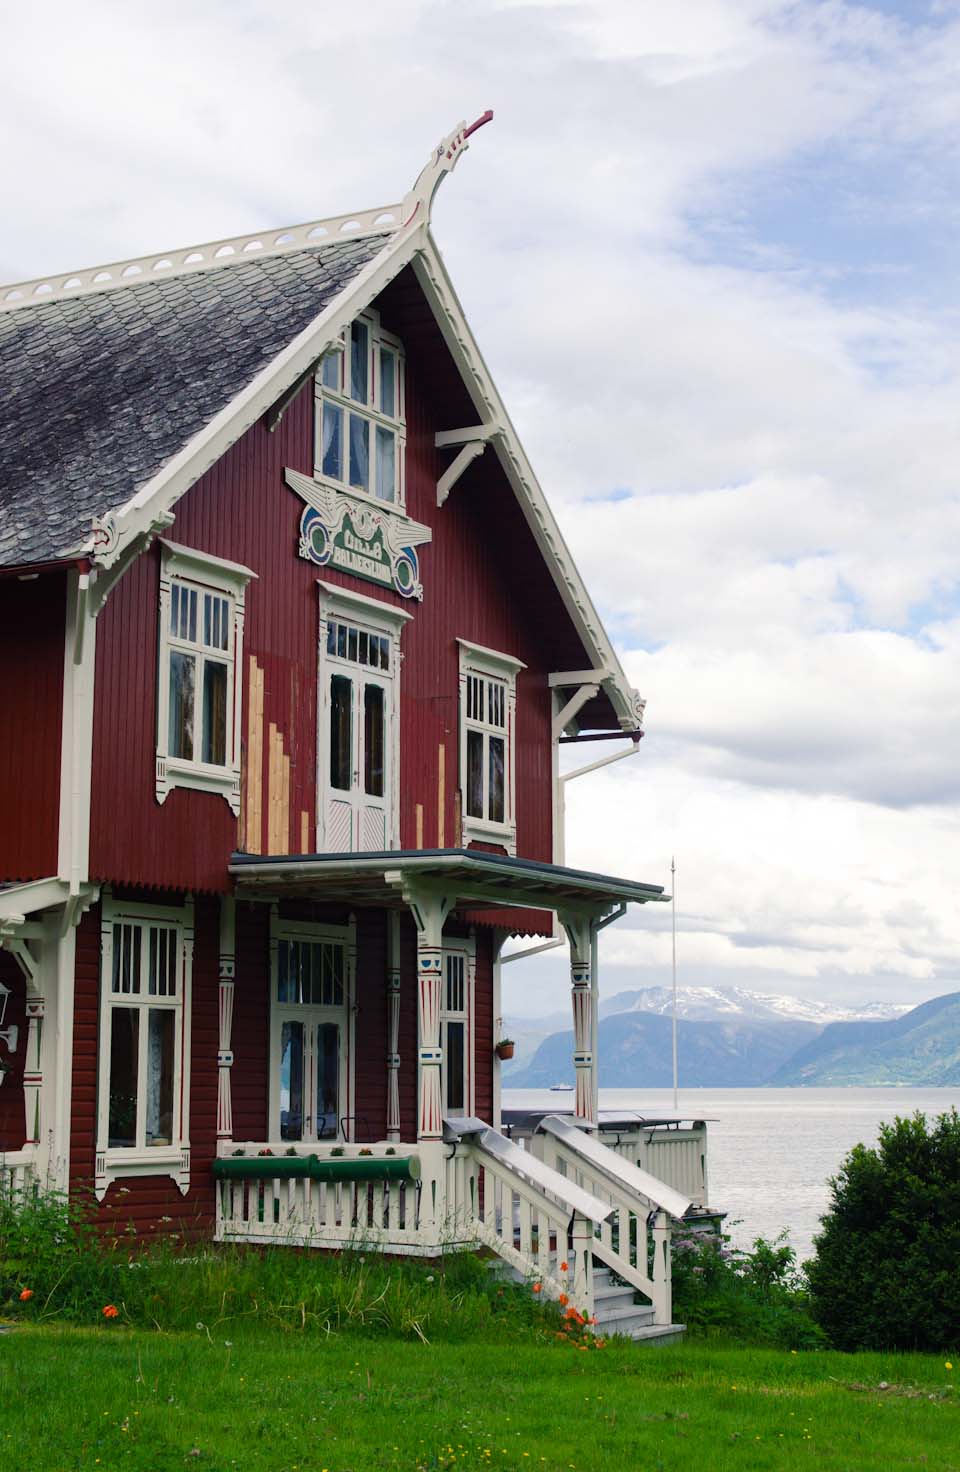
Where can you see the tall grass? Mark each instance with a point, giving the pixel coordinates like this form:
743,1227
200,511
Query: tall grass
55,1266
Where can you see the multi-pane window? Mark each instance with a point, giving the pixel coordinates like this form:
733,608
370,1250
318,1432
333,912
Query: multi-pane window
198,681
454,1033
310,991
357,645
360,412
310,973
486,729
200,638
487,755
144,980
456,1028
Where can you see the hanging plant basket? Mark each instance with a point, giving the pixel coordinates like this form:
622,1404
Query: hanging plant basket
504,1048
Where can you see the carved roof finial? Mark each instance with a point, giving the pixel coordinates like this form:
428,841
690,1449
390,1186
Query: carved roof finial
443,158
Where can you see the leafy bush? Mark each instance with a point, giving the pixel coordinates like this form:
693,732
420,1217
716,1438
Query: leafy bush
886,1274
54,1266
756,1297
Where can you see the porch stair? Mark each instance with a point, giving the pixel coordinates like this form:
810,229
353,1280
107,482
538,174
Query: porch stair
617,1312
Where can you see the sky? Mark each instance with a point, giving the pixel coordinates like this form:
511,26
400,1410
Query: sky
710,252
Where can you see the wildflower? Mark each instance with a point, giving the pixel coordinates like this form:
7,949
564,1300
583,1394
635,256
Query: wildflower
538,1287
563,1267
27,1293
563,1299
946,1364
429,1279
110,1311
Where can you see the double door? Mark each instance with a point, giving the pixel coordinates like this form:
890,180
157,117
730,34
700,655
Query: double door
358,720
312,1073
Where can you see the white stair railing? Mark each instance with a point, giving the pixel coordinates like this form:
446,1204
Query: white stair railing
540,1222
633,1238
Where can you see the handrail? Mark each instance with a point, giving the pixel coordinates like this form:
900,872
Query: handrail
614,1168
551,1182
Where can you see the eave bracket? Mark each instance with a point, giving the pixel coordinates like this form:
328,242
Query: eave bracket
472,441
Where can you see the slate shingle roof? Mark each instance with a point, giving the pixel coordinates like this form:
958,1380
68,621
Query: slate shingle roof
98,392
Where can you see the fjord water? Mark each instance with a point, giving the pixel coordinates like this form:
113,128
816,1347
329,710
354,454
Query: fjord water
770,1152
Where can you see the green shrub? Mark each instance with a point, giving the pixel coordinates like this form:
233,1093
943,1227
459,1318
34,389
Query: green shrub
756,1297
886,1274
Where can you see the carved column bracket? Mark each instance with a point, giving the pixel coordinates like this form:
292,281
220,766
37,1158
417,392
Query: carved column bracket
33,1069
225,1051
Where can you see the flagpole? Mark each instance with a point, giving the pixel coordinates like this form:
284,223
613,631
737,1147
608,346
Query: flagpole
673,915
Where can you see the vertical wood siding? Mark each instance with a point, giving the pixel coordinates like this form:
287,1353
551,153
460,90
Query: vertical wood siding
483,579
32,631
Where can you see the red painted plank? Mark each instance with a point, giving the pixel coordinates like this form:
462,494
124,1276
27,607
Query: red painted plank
32,631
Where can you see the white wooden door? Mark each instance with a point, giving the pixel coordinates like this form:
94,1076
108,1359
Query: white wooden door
358,720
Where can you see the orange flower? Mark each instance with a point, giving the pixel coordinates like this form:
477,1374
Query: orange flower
26,1294
563,1299
563,1267
538,1287
110,1311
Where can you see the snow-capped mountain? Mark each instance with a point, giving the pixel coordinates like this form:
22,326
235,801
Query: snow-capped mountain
716,1003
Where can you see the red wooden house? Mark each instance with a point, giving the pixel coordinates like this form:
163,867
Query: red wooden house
292,637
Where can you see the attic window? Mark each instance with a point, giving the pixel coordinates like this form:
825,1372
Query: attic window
360,413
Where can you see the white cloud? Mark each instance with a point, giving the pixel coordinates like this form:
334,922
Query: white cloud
682,248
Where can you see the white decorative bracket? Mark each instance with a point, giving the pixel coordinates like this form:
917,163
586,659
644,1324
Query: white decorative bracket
473,440
576,702
444,158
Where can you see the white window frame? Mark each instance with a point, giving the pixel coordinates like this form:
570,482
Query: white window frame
466,950
386,621
490,664
200,572
345,935
114,1163
369,409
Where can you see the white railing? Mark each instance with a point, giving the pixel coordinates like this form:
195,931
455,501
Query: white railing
675,1155
634,1237
308,1213
548,1211
540,1223
18,1176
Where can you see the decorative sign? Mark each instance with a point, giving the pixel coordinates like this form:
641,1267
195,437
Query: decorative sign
340,530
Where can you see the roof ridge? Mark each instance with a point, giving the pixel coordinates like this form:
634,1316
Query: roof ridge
212,255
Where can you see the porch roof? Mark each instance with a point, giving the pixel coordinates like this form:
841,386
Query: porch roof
479,880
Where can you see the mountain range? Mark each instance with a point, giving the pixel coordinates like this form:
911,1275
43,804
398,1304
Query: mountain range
730,1037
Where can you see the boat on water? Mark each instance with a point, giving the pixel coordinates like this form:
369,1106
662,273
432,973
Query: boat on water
561,1088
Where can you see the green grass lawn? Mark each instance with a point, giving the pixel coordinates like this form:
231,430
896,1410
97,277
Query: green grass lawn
115,1398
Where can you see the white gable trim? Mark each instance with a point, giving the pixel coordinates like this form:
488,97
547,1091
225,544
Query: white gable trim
147,509
151,506
440,293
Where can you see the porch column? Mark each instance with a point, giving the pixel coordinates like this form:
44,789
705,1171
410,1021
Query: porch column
227,982
430,908
429,912
33,1068
579,931
393,1025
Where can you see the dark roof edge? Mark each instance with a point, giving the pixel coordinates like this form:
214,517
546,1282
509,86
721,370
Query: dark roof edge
414,859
